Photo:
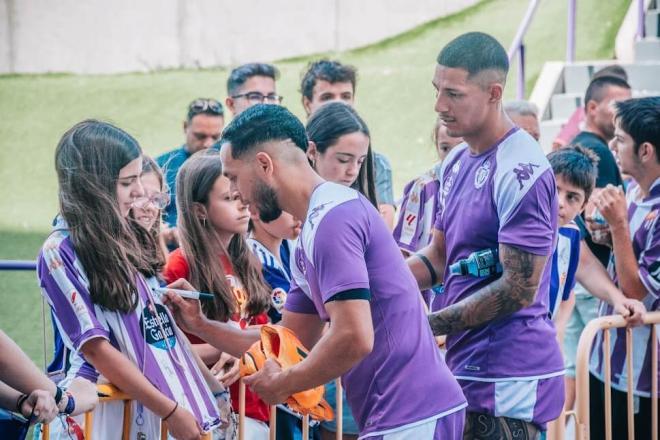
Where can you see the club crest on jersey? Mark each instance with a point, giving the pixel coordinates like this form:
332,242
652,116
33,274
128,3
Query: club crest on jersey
481,176
524,172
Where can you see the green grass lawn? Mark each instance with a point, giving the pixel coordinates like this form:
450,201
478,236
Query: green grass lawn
394,95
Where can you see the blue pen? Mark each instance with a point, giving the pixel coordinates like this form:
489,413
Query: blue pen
184,293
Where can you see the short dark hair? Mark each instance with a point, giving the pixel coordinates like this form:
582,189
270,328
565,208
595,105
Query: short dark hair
326,70
474,52
242,73
598,85
612,70
263,123
578,165
204,106
640,118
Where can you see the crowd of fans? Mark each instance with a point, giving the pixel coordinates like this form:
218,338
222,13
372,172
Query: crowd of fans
297,225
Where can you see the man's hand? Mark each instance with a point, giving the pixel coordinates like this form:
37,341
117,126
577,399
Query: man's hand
611,202
599,232
187,312
227,369
632,310
267,383
39,407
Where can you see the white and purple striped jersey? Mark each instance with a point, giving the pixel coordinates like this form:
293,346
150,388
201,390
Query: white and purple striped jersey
565,261
147,336
414,228
645,235
513,366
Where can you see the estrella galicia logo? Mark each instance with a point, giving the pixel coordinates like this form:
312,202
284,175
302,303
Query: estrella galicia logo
524,172
482,174
654,271
153,331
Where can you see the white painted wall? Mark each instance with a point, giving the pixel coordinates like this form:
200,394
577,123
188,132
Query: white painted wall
112,36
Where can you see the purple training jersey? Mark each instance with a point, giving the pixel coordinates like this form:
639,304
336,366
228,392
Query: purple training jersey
505,196
345,245
147,336
645,233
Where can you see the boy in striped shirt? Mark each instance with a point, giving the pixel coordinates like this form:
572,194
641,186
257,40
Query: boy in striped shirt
633,231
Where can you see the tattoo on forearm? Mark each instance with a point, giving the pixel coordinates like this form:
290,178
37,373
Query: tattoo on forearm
514,290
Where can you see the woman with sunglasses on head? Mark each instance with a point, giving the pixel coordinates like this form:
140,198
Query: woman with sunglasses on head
98,270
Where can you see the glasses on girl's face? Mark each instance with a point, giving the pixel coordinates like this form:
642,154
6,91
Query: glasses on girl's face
158,200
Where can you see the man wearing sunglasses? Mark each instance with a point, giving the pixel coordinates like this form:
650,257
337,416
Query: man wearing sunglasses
252,84
202,127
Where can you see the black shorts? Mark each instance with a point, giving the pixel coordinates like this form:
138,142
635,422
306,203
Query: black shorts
619,413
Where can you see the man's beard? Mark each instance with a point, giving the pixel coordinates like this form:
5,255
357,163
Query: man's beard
266,202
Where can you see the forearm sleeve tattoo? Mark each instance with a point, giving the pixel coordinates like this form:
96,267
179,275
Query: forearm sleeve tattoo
514,290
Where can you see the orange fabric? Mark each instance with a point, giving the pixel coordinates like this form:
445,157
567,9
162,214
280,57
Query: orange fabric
281,344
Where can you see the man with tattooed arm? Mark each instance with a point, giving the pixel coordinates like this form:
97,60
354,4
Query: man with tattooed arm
497,192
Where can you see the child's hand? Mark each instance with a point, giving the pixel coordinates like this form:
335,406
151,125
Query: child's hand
182,425
187,312
226,370
85,394
632,310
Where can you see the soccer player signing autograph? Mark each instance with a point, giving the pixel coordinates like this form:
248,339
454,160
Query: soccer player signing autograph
348,271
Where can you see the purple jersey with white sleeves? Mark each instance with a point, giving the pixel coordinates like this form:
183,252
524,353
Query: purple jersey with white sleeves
147,336
504,196
345,245
644,222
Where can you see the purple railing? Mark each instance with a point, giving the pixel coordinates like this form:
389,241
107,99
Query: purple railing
570,32
518,48
641,31
18,265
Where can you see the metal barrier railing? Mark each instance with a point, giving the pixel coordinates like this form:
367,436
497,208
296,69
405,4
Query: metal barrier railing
111,393
582,376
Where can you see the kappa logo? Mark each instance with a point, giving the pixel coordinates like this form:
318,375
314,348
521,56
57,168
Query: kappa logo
524,172
410,219
481,176
316,211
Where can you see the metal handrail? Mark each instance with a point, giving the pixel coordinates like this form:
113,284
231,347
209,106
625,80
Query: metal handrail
582,374
518,47
18,265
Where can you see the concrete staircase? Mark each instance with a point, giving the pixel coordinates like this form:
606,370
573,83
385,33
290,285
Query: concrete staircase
561,86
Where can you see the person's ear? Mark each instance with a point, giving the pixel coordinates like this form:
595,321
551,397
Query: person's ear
264,163
307,105
311,153
185,126
229,103
199,210
590,106
646,153
496,92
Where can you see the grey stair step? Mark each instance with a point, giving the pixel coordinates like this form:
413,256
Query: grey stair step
644,76
563,105
652,23
549,131
647,49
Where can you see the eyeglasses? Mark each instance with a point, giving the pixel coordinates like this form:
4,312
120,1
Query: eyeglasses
158,200
258,98
202,105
